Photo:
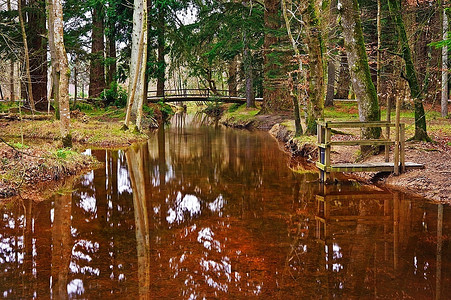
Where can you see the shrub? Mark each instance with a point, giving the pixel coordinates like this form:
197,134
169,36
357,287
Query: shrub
148,111
166,110
234,107
114,96
64,153
83,106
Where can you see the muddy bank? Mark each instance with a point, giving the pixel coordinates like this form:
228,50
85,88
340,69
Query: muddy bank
30,170
31,167
249,119
433,182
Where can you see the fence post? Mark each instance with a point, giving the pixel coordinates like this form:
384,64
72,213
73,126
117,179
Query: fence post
396,152
387,130
327,154
402,148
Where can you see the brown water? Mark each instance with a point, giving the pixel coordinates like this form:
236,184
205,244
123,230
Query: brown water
202,212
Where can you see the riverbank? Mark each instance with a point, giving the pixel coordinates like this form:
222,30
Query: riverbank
433,182
38,163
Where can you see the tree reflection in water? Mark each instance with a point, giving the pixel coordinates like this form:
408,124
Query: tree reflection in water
210,212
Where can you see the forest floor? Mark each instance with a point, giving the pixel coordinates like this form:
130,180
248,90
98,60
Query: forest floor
32,160
433,182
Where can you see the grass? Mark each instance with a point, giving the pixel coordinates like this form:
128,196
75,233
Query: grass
19,146
93,132
64,153
306,139
242,113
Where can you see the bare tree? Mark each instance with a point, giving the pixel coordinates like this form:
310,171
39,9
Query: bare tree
61,67
137,66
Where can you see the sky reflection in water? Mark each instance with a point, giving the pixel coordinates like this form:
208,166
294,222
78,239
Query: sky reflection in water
203,212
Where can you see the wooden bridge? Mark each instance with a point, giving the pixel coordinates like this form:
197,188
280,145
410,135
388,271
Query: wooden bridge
196,95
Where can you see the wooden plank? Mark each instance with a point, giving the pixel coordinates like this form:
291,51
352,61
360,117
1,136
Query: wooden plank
327,141
321,166
402,156
361,142
370,167
353,124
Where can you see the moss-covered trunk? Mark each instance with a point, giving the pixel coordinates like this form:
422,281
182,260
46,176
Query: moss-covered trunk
358,66
343,80
317,74
411,74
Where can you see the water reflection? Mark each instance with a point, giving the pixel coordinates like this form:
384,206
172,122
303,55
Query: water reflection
205,212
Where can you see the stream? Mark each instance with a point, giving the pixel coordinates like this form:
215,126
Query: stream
202,212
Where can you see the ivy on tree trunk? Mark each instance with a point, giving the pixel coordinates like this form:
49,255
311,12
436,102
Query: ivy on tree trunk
317,74
411,74
359,70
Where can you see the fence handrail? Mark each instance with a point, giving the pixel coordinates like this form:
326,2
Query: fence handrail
190,92
324,142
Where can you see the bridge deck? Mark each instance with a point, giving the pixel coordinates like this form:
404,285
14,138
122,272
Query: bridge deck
198,98
196,95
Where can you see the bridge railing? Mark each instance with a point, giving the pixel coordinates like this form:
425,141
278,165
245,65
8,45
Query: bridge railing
189,93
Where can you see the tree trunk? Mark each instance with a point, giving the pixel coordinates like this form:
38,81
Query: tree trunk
315,106
379,33
411,74
232,81
362,84
250,97
247,60
276,96
61,68
444,98
161,47
75,86
112,55
330,83
36,33
137,69
27,58
54,87
344,80
296,75
97,69
12,95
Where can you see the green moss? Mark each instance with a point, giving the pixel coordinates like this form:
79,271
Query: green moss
243,113
289,125
64,153
306,139
19,146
